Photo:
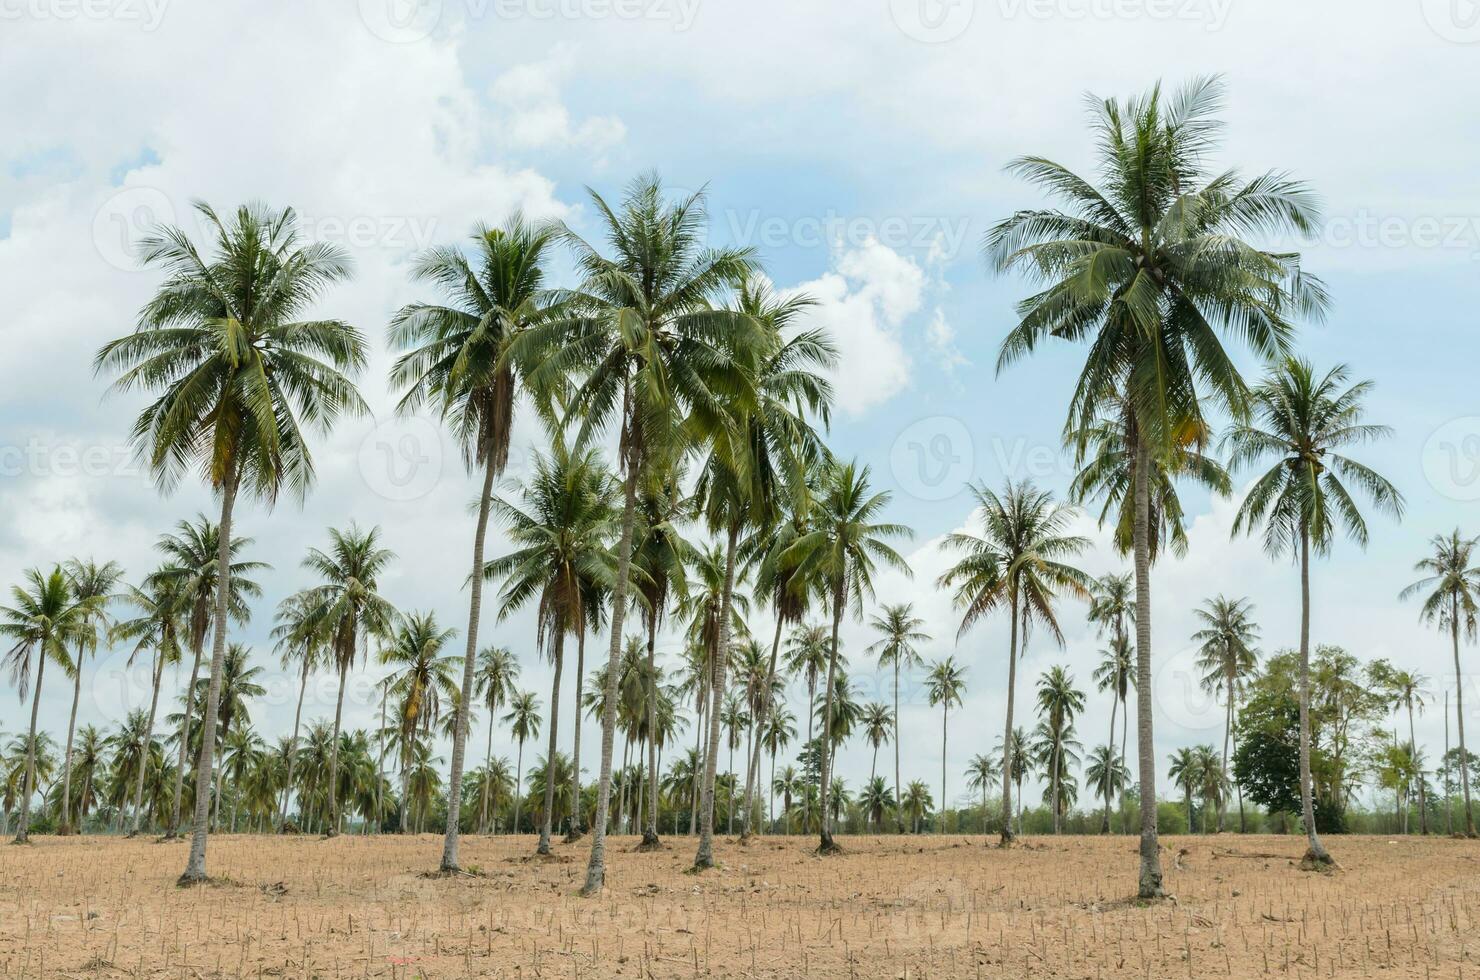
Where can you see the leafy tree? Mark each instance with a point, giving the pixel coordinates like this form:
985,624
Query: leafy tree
90,582
1227,656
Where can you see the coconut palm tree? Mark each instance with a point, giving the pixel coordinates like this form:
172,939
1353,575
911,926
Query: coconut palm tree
456,359
900,630
300,637
239,686
1449,588
241,377
1186,772
1020,562
878,726
1408,692
1107,775
842,553
916,803
1059,701
523,720
1148,268
781,728
350,611
876,800
422,678
944,686
806,656
1227,657
1116,674
157,628
88,766
660,359
981,772
47,618
1302,421
190,555
90,582
1017,758
560,539
498,671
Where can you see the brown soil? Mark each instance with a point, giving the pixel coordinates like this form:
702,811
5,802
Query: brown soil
887,907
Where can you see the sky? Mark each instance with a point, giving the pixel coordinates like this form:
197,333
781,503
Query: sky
859,148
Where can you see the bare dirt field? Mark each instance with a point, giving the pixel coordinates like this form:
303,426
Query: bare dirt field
889,907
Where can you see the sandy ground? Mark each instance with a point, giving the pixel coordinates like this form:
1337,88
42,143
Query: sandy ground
889,907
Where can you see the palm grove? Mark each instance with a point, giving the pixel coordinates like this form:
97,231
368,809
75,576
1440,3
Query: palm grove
686,489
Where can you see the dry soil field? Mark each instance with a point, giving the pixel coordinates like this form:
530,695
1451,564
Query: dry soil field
889,907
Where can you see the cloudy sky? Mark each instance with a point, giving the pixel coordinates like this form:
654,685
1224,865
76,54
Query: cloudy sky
859,147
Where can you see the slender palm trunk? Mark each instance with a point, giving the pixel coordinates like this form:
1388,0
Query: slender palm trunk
1423,806
574,833
66,825
293,746
704,858
1125,733
518,782
195,867
28,785
1007,767
557,653
898,815
145,740
1227,734
699,729
1459,717
1315,854
470,668
826,845
1109,790
650,831
763,706
487,768
1054,777
944,721
596,866
333,829
1150,883
185,720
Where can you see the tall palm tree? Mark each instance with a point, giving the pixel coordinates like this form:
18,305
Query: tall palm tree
351,611
523,720
90,582
806,654
46,619
1408,691
560,544
900,630
876,800
1302,421
1116,673
1107,775
1449,587
842,553
1020,562
300,637
1059,701
780,729
917,803
190,554
456,358
1186,772
421,680
157,628
1227,657
878,726
661,359
981,772
239,686
944,686
240,376
1148,268
498,670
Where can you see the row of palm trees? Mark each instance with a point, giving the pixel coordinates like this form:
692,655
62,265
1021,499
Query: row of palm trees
717,396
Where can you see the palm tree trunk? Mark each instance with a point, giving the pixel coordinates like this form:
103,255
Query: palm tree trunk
1423,808
1227,735
186,719
144,742
1054,778
518,783
1459,717
66,824
574,834
763,705
487,767
333,828
1007,767
557,652
1315,855
826,845
650,831
704,858
945,716
1150,883
293,745
470,668
1105,822
1125,733
898,815
195,867
28,785
596,866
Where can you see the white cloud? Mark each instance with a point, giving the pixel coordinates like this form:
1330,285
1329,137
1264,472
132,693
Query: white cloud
532,116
